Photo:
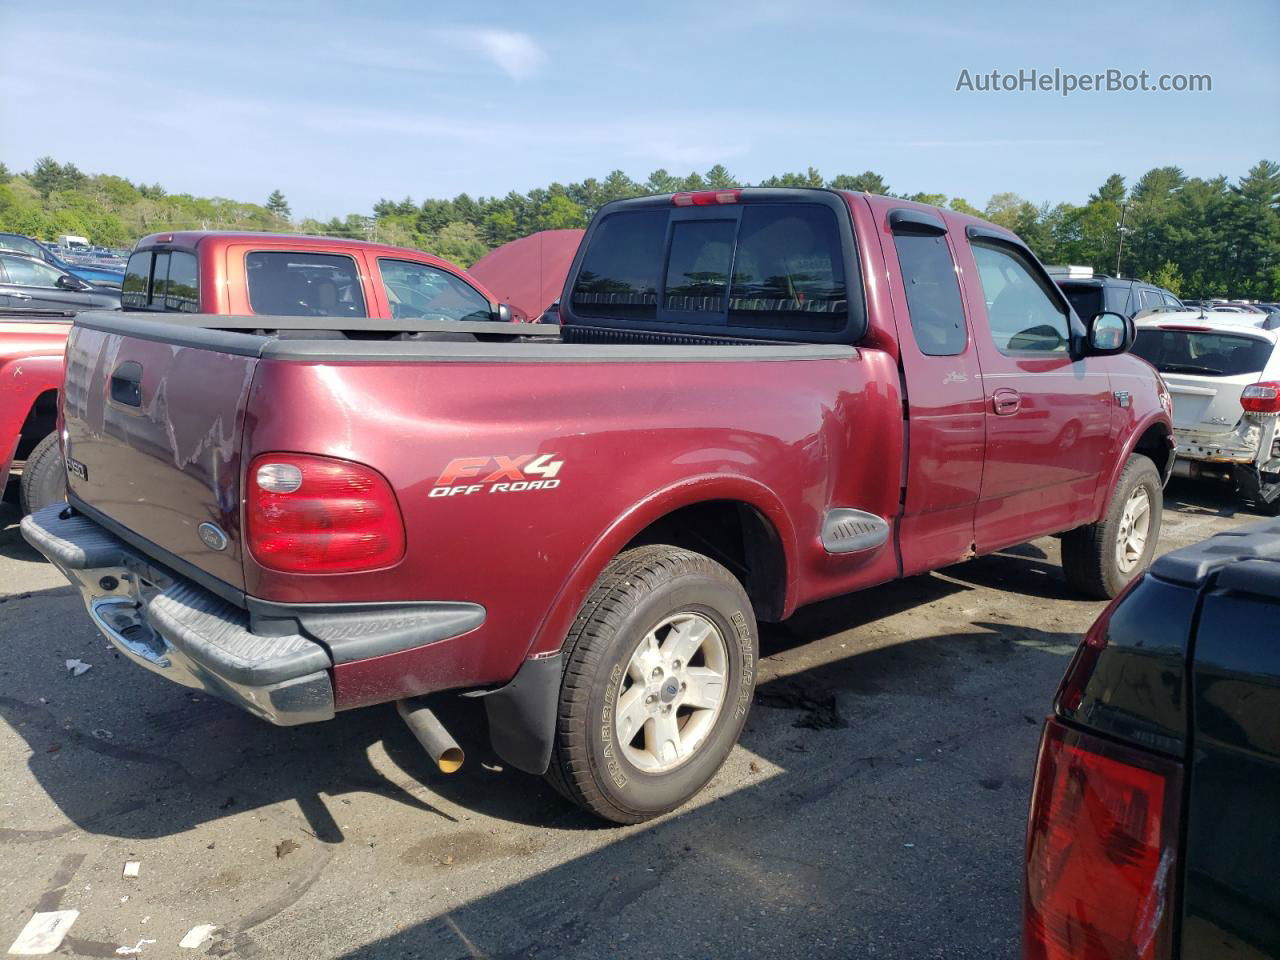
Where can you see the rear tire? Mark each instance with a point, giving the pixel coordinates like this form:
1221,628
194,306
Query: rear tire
1099,559
659,673
44,479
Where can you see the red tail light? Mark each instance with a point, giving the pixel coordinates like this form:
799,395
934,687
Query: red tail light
309,514
705,198
1101,844
1261,397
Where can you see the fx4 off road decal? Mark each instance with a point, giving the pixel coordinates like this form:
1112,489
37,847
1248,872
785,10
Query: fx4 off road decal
528,471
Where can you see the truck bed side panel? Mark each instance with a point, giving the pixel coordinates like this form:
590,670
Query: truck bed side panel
608,440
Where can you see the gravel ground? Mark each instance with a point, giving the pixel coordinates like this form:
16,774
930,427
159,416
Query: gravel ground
875,807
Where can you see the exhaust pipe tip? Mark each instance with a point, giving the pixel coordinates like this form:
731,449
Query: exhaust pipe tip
430,732
451,760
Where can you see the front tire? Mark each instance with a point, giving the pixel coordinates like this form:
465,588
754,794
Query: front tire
1098,560
44,478
659,673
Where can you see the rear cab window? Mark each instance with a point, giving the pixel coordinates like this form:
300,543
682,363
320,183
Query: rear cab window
1207,354
780,269
163,280
286,283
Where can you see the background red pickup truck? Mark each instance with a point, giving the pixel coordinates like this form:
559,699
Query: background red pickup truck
763,398
240,273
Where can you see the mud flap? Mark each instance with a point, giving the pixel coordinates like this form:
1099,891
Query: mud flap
522,715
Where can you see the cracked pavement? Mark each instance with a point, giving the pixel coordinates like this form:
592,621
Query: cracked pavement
875,807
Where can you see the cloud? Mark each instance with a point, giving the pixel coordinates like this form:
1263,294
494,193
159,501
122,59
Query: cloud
517,55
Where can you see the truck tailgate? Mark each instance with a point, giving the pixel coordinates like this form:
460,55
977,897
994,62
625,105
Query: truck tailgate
153,442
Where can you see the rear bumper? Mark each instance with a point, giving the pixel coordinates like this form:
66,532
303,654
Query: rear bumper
179,630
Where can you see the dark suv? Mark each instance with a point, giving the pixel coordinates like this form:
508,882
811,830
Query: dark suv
1090,293
1153,832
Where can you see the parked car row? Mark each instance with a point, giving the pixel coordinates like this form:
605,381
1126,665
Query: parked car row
107,276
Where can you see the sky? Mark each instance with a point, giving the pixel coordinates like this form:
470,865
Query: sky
340,104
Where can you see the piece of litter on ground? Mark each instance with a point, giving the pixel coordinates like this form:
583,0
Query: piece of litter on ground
102,733
77,667
909,845
197,935
131,868
135,949
43,933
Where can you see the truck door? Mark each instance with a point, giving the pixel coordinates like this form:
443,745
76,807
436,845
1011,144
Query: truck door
1048,413
945,403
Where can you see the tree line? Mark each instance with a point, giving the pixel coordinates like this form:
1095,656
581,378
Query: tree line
1196,236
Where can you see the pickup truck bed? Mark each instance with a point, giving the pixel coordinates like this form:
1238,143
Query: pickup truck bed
584,525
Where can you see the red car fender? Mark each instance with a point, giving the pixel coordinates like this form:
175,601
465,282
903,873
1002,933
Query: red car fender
22,380
1103,496
684,493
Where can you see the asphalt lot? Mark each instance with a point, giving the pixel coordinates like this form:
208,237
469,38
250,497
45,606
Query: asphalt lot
875,807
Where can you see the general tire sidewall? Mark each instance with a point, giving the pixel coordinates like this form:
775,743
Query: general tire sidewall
627,787
1143,474
44,480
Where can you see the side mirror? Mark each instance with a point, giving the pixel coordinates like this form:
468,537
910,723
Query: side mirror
68,282
1110,333
503,313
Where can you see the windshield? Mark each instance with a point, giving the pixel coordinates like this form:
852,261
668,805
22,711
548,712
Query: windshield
1204,353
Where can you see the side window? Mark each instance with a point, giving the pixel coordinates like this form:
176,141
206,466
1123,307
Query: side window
933,293
291,284
137,275
1151,298
1022,314
421,290
30,273
788,270
1172,301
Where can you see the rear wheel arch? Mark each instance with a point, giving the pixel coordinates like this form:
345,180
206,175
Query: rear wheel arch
693,512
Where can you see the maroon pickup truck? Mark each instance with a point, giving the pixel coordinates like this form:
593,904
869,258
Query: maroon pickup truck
756,399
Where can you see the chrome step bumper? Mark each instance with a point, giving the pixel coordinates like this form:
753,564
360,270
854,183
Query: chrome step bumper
178,629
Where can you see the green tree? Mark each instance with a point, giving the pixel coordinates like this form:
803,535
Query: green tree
458,243
278,205
865,182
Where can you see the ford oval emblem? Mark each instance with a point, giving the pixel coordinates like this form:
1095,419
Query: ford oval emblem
212,536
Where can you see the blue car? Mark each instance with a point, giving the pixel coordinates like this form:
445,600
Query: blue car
98,276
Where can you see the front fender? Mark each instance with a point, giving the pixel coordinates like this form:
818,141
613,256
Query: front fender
1131,442
629,524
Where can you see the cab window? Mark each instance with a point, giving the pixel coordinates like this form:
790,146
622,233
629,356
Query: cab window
1022,314
933,294
293,284
421,290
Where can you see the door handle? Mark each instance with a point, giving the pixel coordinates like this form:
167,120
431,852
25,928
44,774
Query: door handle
1006,402
126,384
20,296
